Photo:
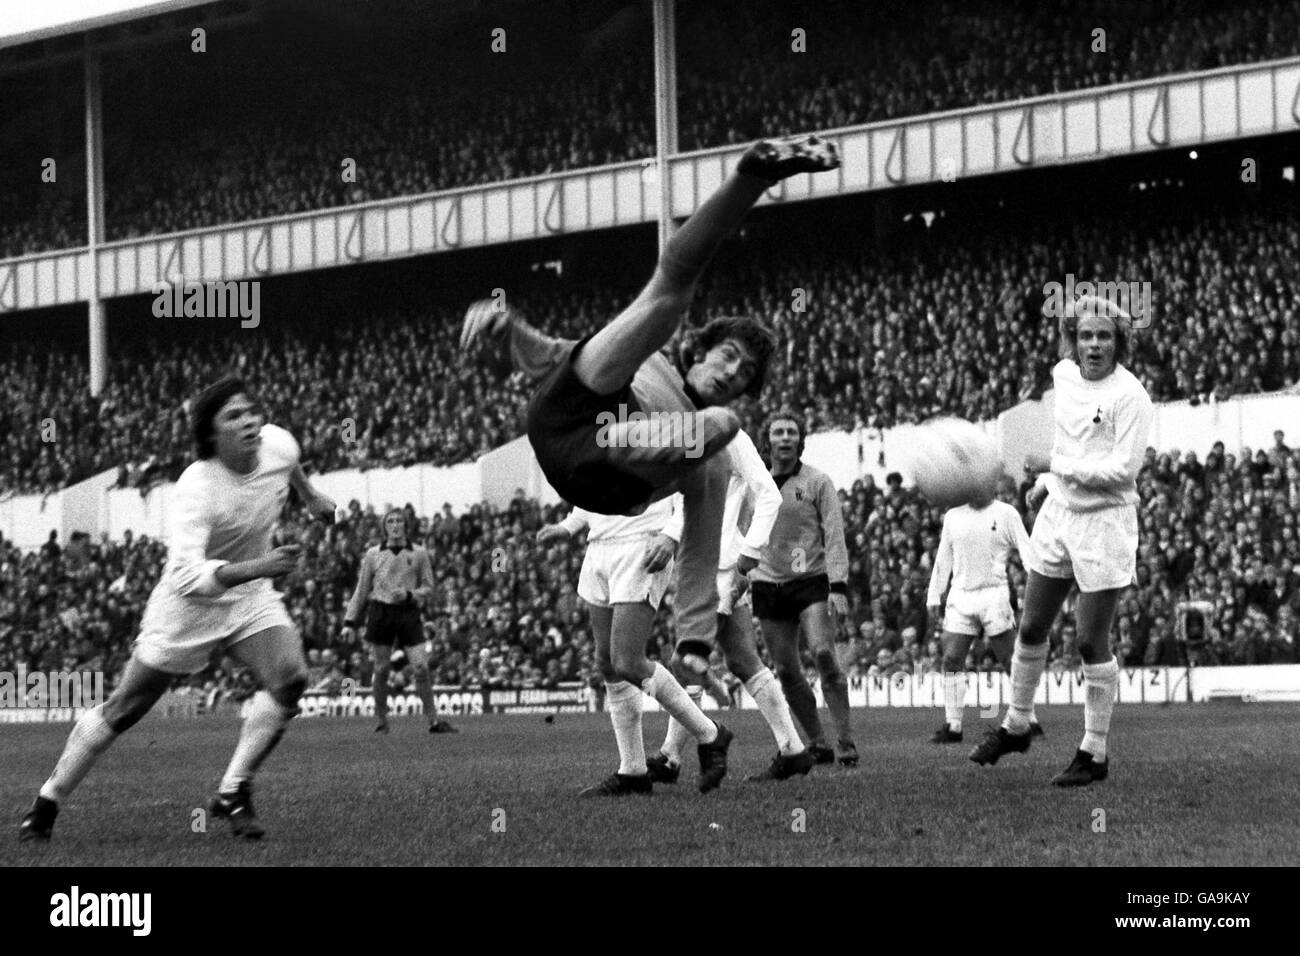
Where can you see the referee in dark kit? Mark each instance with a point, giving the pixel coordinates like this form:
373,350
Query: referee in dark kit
394,578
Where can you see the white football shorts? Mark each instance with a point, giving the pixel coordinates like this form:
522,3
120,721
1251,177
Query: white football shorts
178,634
987,609
1096,548
613,572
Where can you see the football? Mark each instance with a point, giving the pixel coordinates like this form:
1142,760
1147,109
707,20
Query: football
953,462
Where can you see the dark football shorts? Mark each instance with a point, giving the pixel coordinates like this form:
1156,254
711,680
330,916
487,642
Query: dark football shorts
562,429
389,624
786,601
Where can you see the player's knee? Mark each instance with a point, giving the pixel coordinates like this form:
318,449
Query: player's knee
289,689
420,672
1087,653
827,666
790,675
122,714
743,668
954,664
629,665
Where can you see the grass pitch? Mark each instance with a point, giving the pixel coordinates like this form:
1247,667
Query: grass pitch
1189,785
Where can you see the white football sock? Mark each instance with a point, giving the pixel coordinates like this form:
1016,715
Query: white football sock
624,703
262,730
954,699
663,687
1100,682
1027,665
89,738
767,693
678,736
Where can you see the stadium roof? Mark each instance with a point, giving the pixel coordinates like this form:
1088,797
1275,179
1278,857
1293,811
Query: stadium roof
27,22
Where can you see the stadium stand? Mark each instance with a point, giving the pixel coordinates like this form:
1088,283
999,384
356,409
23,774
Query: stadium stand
268,139
949,320
504,614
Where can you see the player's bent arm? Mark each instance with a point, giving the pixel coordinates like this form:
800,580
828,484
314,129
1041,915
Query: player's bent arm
1024,545
837,551
1134,414
942,569
423,577
316,502
189,570
761,489
361,593
676,521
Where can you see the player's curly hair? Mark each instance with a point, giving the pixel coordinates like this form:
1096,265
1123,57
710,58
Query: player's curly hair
206,406
756,337
785,414
1085,307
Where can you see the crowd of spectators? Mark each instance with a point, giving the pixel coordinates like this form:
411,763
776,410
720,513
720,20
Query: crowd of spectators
505,613
948,320
573,90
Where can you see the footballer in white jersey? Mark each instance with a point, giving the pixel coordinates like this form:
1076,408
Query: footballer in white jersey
976,541
215,593
1086,533
752,504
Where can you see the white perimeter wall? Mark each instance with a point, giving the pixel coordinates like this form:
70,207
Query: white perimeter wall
93,506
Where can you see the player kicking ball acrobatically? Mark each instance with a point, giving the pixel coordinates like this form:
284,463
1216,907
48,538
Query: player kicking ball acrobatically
215,593
753,500
1086,532
976,541
801,587
394,578
599,419
625,574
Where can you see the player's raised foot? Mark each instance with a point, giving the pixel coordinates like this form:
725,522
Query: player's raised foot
661,769
778,159
442,727
846,752
1036,729
237,807
946,735
381,727
619,785
785,766
713,760
38,824
996,742
821,754
1082,771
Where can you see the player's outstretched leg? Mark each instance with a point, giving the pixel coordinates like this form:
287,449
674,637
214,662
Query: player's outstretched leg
382,655
613,355
1095,614
782,639
955,648
276,659
419,658
740,650
1003,648
816,623
666,765
1043,599
92,734
622,699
